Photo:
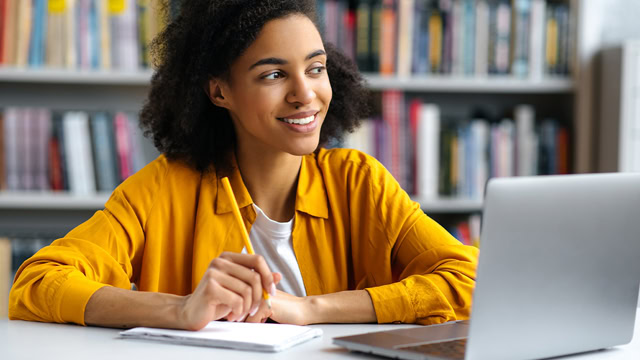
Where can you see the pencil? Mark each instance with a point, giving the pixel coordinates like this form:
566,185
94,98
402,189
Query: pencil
245,235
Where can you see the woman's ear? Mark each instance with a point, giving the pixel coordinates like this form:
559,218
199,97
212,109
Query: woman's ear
214,90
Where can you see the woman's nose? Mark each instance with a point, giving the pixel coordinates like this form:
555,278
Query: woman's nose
301,91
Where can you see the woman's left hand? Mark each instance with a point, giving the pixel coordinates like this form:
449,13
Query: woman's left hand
285,309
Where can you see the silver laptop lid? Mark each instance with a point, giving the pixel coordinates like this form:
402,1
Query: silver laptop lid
559,267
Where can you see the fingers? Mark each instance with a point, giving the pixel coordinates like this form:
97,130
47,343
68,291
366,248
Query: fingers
258,264
261,315
277,277
225,291
248,284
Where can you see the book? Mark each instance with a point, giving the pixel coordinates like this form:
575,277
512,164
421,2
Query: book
499,37
468,36
479,161
27,141
81,174
122,133
420,53
124,36
5,275
405,37
521,28
38,34
11,121
427,150
103,155
3,179
435,40
524,116
388,37
376,13
482,38
23,33
536,39
55,51
41,134
69,39
103,27
3,22
263,337
363,38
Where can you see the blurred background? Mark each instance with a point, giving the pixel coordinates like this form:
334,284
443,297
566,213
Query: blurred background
464,90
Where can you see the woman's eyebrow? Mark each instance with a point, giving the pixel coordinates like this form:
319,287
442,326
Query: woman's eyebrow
278,61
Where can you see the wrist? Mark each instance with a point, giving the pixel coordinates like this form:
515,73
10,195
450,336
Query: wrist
178,312
313,309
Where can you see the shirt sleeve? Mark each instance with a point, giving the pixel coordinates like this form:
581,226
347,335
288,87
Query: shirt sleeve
434,273
56,283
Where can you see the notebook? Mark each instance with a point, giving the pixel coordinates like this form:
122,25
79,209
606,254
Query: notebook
265,337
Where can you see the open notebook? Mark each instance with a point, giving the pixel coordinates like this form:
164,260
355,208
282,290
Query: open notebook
241,336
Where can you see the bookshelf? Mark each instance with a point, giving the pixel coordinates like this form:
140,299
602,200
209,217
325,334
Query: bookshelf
53,214
77,77
460,84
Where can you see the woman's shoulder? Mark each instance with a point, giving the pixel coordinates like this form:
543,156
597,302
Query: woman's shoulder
348,165
339,157
159,172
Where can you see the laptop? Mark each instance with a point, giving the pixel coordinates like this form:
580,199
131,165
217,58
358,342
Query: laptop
558,274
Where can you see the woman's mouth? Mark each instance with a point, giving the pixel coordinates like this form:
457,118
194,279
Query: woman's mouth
300,121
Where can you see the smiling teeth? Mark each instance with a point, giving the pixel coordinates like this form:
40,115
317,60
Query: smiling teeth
302,121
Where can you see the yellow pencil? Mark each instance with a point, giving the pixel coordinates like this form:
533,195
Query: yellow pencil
245,235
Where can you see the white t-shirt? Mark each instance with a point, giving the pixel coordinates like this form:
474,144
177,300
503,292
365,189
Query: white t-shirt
273,241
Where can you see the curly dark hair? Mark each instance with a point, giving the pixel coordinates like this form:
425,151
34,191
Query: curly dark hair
202,42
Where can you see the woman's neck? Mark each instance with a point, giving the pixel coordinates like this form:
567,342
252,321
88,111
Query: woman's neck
271,179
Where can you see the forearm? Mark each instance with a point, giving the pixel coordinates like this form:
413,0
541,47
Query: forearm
120,308
342,307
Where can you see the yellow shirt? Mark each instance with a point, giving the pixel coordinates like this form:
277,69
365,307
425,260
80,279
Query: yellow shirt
354,228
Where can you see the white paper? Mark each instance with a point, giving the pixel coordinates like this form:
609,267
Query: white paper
241,336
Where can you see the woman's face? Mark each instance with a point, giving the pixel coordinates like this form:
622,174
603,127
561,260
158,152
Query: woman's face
279,92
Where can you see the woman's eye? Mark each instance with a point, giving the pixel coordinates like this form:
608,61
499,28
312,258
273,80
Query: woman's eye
273,76
317,70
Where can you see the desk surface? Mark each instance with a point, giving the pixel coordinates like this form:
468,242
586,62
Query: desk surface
31,340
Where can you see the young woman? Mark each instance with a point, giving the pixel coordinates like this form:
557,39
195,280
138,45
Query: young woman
248,90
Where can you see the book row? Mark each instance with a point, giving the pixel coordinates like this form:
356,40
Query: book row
22,249
79,34
467,231
523,38
433,156
74,151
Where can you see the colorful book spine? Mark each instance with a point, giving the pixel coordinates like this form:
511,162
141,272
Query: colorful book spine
405,37
123,144
521,31
435,40
75,151
78,152
388,37
363,36
104,159
427,150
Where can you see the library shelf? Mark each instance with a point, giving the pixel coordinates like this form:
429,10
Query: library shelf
73,76
449,205
460,84
48,200
426,83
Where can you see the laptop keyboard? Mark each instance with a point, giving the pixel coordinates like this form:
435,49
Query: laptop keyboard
447,349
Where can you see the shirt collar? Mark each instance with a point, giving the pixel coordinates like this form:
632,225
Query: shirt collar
223,205
311,195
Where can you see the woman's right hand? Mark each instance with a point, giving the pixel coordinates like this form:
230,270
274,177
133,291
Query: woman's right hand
231,288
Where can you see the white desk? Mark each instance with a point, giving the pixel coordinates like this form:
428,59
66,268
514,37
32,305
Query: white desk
30,340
